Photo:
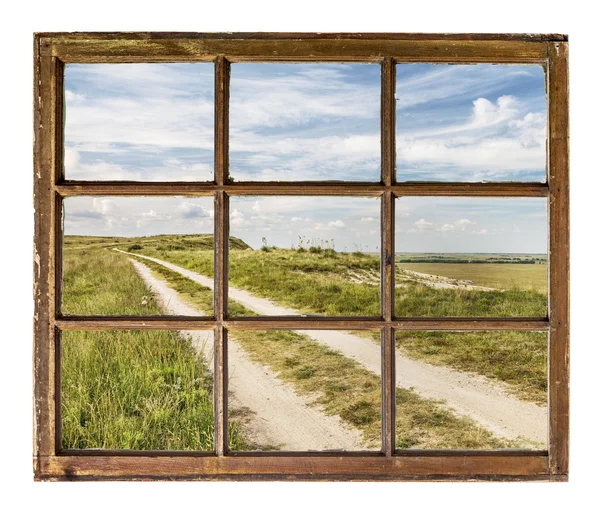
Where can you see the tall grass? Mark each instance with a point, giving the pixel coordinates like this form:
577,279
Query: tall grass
318,283
103,282
129,389
134,390
423,301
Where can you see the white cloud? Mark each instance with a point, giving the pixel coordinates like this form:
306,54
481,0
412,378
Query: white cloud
105,205
499,140
421,224
190,210
367,219
74,98
331,225
237,218
151,216
483,231
447,228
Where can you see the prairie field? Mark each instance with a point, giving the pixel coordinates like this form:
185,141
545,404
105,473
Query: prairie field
152,390
145,390
498,276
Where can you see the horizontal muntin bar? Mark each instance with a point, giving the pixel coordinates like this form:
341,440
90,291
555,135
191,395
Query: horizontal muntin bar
497,189
66,323
96,322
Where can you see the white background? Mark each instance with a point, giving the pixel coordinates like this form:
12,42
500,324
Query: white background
21,19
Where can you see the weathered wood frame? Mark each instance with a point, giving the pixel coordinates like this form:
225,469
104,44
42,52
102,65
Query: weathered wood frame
52,51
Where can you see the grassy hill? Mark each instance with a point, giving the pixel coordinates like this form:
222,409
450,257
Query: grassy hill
202,241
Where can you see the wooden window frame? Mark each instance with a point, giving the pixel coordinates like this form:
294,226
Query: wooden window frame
53,50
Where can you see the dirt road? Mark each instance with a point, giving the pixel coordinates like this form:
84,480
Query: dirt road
274,416
486,401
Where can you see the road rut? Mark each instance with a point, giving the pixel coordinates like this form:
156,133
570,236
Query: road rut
486,401
274,416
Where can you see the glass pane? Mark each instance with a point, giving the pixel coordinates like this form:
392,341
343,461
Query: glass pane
305,390
483,390
299,255
470,257
143,122
305,122
473,123
122,256
142,390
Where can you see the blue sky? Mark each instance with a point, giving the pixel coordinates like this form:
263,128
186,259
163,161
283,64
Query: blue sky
426,224
479,122
139,121
305,122
309,122
471,225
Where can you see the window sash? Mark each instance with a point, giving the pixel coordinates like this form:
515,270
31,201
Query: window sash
53,51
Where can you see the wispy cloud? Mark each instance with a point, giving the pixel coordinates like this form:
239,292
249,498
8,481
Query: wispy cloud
139,121
314,121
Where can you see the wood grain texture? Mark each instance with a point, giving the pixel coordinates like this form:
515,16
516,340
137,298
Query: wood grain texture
295,49
558,89
44,90
221,275
302,322
417,36
293,467
388,385
222,78
220,390
510,189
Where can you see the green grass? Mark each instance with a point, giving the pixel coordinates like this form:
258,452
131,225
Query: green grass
341,386
134,390
102,282
518,358
319,282
129,389
417,300
490,258
322,282
308,282
500,276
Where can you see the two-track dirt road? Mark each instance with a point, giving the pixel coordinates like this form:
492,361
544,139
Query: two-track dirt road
274,415
486,401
